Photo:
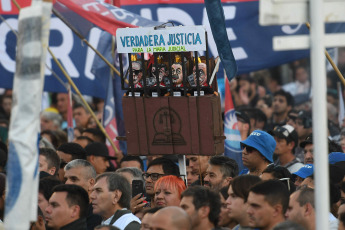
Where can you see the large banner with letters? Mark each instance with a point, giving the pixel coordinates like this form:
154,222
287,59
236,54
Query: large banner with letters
251,43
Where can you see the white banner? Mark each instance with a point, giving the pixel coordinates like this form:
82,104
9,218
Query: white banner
169,39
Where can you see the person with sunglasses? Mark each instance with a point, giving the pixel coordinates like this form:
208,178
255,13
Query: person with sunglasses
257,152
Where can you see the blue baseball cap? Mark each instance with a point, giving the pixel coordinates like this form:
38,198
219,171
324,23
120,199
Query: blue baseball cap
336,157
263,142
305,171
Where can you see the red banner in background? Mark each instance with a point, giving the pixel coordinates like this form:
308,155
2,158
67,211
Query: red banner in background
146,2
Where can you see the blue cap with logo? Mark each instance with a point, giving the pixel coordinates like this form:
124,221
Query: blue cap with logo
263,142
305,171
336,157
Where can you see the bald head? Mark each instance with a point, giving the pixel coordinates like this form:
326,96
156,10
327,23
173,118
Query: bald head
171,218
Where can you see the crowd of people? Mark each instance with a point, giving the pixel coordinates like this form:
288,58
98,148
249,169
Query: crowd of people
271,187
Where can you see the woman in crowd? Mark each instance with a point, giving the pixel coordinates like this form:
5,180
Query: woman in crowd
168,191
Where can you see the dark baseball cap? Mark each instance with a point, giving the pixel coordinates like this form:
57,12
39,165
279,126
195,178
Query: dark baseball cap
286,132
242,116
98,149
308,140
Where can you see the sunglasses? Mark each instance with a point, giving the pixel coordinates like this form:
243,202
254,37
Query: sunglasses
136,72
154,176
249,149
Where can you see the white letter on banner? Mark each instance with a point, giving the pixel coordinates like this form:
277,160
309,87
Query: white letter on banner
174,14
230,14
6,60
6,5
62,52
90,55
91,4
146,13
289,30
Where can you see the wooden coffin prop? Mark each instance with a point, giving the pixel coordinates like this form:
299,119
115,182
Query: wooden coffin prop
173,125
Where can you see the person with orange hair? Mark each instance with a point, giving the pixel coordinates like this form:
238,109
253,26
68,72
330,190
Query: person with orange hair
168,191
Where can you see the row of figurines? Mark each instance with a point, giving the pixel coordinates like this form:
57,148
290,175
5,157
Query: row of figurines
163,75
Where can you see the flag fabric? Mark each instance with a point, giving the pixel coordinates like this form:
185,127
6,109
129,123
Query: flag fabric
101,70
216,18
22,165
101,14
231,132
70,128
341,114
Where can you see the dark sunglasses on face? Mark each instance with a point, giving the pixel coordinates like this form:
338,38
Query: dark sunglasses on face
154,176
136,72
248,148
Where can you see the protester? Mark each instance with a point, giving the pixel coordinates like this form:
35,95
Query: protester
257,152
45,190
156,169
132,161
81,115
198,164
67,208
168,191
48,161
68,152
203,207
287,139
98,155
110,198
224,218
304,172
171,218
220,171
81,172
268,202
237,201
192,175
302,208
147,217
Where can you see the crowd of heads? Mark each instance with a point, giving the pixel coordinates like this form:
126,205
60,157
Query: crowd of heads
269,186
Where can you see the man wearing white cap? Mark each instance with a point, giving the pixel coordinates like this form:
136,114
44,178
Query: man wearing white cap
287,140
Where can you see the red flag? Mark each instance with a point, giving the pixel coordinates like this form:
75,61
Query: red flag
103,15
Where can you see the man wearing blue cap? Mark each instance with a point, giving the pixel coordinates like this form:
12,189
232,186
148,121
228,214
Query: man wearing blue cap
257,152
304,172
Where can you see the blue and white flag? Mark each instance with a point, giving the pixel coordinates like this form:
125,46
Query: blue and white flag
22,166
231,132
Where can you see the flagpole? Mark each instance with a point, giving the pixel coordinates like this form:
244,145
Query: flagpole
70,81
335,67
319,109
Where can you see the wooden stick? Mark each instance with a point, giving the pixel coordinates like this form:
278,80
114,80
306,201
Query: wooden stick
341,77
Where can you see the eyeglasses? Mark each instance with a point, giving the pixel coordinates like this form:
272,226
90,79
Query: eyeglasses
154,176
249,149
